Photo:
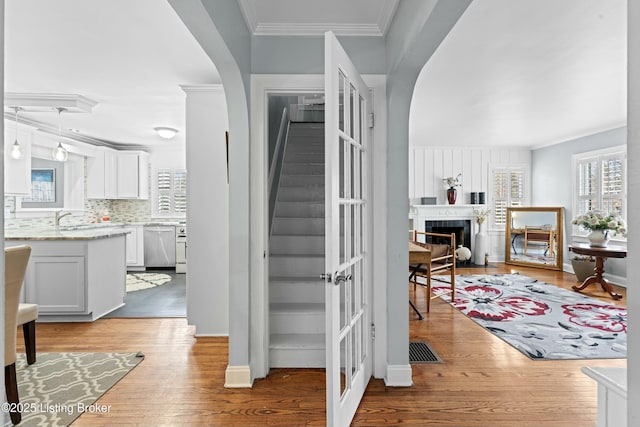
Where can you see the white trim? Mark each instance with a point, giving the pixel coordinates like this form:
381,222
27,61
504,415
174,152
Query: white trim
387,14
249,14
238,377
398,376
299,29
262,85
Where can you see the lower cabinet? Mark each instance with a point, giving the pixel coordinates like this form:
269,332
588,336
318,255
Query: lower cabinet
75,280
135,247
65,285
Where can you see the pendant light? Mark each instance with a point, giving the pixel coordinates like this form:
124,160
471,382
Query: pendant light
60,153
16,148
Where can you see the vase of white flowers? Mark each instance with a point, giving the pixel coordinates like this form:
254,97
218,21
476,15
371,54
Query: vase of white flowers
452,193
601,226
480,249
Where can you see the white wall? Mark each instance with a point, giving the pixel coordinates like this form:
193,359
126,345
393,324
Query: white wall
208,210
429,165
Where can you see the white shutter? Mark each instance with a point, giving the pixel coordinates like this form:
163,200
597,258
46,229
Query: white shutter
508,190
172,192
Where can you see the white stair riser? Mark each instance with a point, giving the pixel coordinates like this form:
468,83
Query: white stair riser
300,194
303,168
297,292
308,245
300,210
292,266
297,323
296,358
304,157
298,226
302,180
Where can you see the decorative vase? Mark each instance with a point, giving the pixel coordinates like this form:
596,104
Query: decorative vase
480,248
598,238
451,195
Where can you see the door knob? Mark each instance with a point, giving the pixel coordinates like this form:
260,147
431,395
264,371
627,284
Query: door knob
342,278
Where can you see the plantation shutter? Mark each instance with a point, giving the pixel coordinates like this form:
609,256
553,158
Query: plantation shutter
612,185
172,192
508,190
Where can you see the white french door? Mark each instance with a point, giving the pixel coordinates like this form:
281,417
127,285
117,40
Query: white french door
347,313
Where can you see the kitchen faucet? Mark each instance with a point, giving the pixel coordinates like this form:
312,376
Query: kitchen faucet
59,216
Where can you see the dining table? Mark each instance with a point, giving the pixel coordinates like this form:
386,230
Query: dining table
418,256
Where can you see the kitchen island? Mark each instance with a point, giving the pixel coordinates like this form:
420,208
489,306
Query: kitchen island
74,275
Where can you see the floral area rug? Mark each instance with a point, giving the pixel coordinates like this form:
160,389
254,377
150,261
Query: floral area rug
139,281
541,320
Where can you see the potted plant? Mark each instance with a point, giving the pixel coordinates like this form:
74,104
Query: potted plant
583,266
600,224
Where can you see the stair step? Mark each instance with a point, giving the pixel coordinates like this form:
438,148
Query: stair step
296,318
299,209
304,157
310,193
290,180
283,244
296,265
298,226
303,168
283,289
297,350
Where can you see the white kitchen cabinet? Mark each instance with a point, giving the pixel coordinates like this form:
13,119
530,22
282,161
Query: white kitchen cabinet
75,279
113,174
135,247
102,174
17,172
133,175
65,285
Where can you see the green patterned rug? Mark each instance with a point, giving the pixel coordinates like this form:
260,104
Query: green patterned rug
59,387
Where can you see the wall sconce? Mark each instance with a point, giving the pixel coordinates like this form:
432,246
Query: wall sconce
60,153
16,148
166,132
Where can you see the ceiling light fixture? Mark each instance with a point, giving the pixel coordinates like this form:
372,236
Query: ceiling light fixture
60,153
16,149
166,132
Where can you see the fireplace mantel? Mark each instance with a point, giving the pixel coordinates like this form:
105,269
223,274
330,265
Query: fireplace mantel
426,212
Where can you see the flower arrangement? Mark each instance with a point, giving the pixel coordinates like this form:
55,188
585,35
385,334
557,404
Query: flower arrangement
481,214
453,182
598,220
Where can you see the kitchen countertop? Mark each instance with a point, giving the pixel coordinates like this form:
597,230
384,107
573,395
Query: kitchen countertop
63,233
99,230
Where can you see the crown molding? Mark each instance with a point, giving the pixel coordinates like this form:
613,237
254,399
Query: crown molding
49,102
386,15
249,14
281,29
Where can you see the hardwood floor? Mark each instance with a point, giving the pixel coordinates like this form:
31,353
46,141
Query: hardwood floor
483,382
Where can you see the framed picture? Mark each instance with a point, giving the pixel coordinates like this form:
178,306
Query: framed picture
43,185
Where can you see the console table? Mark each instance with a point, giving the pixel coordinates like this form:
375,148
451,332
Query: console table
600,255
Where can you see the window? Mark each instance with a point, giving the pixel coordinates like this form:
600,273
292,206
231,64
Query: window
508,190
600,182
172,192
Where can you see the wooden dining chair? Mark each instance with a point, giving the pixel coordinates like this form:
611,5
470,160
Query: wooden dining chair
15,266
443,258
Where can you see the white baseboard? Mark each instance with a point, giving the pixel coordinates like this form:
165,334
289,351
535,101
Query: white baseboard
398,376
238,377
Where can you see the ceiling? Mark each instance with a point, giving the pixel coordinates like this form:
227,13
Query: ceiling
516,73
128,56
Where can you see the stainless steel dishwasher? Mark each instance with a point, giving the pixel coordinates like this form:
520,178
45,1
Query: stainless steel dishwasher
159,246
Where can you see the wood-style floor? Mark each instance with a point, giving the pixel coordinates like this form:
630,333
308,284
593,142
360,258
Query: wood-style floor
483,382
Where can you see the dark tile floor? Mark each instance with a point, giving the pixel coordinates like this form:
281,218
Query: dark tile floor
168,300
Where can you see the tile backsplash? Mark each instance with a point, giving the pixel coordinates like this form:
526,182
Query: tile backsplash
121,211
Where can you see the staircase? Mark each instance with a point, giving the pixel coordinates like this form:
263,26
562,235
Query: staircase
296,292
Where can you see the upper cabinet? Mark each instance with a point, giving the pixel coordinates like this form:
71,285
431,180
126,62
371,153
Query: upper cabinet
17,172
113,174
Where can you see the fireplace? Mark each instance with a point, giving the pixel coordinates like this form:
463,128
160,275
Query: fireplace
461,228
